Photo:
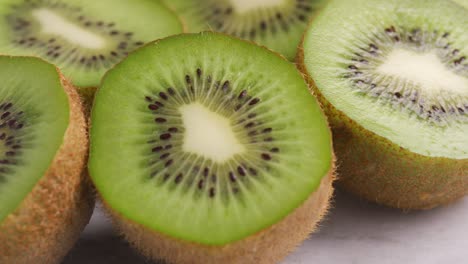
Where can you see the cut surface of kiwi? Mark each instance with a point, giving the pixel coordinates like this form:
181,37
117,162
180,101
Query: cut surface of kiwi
84,38
31,126
45,199
277,24
208,139
394,75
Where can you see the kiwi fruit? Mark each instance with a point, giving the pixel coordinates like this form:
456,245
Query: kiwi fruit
277,24
83,38
45,197
393,78
210,149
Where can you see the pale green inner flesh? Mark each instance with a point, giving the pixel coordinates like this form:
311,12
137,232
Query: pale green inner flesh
276,24
84,38
34,115
398,68
245,6
203,126
193,138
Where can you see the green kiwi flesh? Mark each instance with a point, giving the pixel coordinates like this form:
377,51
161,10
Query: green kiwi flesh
84,38
276,24
193,138
393,76
32,126
45,196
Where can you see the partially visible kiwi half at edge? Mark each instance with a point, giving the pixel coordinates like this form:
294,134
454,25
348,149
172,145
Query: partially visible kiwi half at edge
210,149
393,78
84,38
45,197
276,24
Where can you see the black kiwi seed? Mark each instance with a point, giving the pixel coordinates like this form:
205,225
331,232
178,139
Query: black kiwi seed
254,101
212,192
242,94
169,163
201,184
179,178
171,91
165,136
232,177
163,96
266,156
157,149
226,86
241,171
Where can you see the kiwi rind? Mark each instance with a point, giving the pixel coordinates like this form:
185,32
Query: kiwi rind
50,219
270,245
377,169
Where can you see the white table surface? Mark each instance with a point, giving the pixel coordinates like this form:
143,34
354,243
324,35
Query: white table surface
354,232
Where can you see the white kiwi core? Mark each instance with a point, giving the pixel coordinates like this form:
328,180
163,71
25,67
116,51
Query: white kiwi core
208,134
54,24
244,6
425,69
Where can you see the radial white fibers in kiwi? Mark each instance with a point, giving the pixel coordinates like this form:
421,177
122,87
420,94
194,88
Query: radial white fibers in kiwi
277,24
84,38
394,77
45,199
211,148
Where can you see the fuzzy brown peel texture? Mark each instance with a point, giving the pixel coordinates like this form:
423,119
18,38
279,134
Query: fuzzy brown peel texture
50,219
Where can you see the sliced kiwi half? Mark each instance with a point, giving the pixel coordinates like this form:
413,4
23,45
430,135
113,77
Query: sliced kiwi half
208,147
45,199
84,38
393,76
277,24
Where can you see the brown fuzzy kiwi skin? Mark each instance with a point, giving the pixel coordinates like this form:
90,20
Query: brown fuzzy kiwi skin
86,95
270,245
50,219
380,171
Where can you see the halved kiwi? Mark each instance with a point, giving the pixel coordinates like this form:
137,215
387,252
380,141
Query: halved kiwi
277,24
208,148
45,198
84,38
393,76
